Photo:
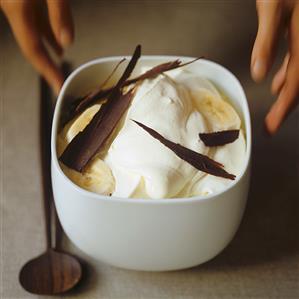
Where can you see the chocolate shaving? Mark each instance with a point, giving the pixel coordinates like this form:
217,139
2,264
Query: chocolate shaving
79,105
219,138
100,93
197,160
88,142
159,69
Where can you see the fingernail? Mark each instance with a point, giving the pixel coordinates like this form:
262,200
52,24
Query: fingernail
258,70
272,121
65,38
265,132
266,129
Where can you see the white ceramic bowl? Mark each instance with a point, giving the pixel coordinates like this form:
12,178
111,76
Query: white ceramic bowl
143,234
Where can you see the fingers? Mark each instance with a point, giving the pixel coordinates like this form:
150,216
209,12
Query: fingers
270,17
49,36
61,21
286,101
22,21
279,77
288,97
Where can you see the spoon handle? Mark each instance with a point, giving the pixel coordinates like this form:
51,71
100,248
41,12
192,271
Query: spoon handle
45,123
66,68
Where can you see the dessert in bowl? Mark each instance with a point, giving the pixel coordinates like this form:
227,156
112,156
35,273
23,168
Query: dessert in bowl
145,201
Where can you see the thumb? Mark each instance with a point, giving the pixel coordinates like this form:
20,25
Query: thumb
269,17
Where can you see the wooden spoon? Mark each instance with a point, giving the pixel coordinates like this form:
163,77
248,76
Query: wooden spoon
53,272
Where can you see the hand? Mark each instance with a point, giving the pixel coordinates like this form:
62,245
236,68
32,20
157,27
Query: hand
34,27
275,17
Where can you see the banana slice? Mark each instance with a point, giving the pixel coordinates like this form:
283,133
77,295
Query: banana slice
81,122
97,177
219,114
75,126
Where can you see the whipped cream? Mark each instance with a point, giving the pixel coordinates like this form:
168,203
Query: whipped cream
179,105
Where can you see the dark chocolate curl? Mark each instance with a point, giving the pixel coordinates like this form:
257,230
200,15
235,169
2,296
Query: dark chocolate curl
159,69
219,138
99,93
79,105
197,160
88,142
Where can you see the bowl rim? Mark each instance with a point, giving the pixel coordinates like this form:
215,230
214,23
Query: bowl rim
199,198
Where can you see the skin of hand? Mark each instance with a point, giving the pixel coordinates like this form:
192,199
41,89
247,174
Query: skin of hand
37,24
278,17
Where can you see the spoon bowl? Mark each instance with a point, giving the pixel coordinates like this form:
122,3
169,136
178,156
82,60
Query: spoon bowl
51,273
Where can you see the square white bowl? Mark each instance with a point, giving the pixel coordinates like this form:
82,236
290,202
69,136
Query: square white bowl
150,234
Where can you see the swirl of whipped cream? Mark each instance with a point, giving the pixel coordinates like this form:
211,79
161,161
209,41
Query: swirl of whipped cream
179,105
